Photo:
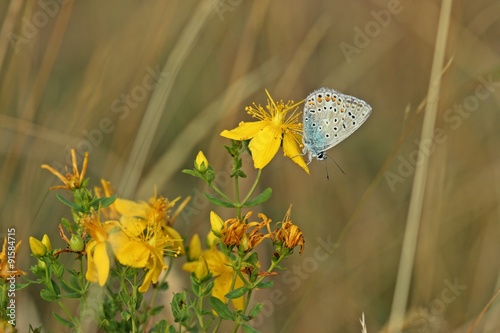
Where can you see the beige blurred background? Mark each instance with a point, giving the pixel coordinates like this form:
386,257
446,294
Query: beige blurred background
145,85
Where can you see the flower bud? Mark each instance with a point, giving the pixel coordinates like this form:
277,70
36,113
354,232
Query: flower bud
76,243
37,247
201,162
47,243
194,249
201,271
216,223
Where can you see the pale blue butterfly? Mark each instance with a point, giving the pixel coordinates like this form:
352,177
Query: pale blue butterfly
329,117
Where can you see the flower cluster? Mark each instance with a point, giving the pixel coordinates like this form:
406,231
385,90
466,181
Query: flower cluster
124,247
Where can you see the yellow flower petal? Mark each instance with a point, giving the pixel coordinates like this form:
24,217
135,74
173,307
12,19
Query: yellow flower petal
130,208
292,150
265,145
101,261
151,276
244,131
133,254
222,284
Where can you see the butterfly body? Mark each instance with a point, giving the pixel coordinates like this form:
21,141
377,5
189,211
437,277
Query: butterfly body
329,117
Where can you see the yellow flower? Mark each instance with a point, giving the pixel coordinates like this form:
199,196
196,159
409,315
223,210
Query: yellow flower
218,265
148,243
102,234
273,128
8,270
156,210
71,181
6,327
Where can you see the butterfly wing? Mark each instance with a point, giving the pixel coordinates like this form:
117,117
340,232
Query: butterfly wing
330,117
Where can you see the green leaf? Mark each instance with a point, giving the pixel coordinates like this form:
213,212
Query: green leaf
208,289
255,310
63,321
162,285
195,285
218,202
73,295
265,284
221,308
154,311
48,295
65,223
253,259
264,196
20,286
160,327
237,293
194,173
126,315
107,201
209,175
70,204
249,329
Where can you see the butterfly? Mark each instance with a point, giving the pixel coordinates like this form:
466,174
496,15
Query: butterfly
329,117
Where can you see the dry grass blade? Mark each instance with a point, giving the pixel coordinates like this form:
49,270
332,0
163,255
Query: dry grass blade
156,105
417,196
481,315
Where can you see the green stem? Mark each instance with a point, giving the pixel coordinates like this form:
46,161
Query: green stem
217,326
200,311
254,186
237,193
70,317
216,189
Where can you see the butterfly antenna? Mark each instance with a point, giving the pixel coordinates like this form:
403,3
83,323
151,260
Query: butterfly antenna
337,165
326,169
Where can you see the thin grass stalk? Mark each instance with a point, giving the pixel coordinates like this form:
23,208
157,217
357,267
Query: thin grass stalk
417,196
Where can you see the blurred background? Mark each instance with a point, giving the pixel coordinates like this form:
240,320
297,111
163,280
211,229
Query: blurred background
144,85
